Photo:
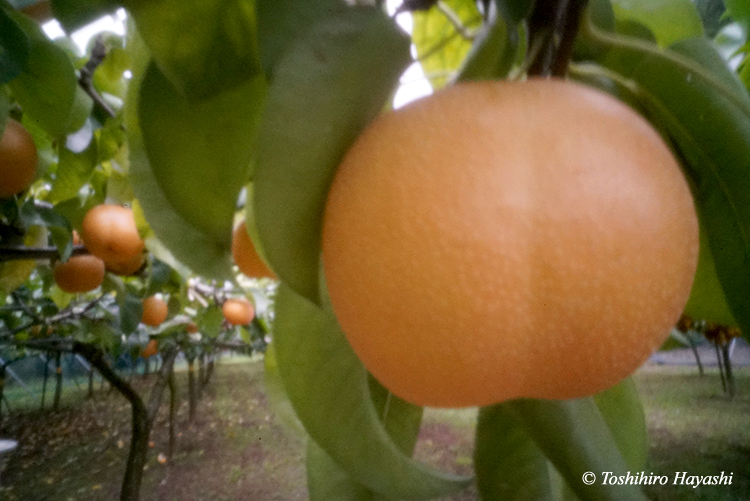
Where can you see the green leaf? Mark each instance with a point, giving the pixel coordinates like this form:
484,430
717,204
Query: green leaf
706,111
494,50
74,14
131,311
15,47
669,20
210,322
707,301
73,171
514,11
5,106
507,462
109,76
441,47
739,10
576,439
326,480
47,89
203,47
200,153
327,87
281,21
184,242
276,394
622,410
328,387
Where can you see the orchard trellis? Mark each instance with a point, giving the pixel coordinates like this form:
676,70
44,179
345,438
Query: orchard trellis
210,112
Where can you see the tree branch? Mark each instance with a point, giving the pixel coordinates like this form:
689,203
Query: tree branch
553,26
21,252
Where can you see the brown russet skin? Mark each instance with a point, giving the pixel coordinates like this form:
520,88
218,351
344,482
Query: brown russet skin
155,311
79,274
18,159
238,311
500,240
246,257
110,233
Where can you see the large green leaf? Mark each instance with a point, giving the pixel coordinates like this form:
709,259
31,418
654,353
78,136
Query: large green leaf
511,465
327,481
669,20
326,88
707,113
328,387
200,153
192,247
280,22
443,38
507,461
203,47
15,47
690,93
47,89
577,440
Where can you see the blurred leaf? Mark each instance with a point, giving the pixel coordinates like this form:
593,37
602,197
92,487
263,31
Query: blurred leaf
707,301
277,397
131,311
328,387
47,89
159,276
14,273
676,340
73,171
203,47
74,14
109,76
669,20
327,87
200,153
514,11
576,439
494,50
33,214
327,481
15,48
5,106
441,48
622,410
507,462
739,10
210,321
281,21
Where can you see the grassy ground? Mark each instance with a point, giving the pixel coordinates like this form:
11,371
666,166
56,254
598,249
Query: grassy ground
237,448
694,428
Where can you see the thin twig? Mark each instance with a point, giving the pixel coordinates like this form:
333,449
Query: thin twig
86,77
